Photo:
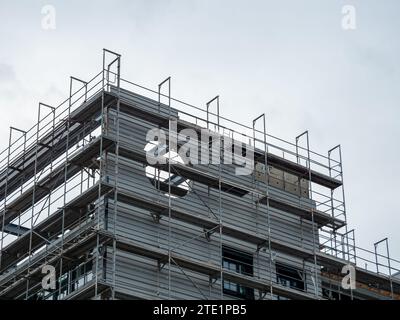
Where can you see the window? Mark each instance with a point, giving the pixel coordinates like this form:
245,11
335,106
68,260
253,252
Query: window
239,262
289,277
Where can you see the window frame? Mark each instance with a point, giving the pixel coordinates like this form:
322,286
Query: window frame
294,276
240,262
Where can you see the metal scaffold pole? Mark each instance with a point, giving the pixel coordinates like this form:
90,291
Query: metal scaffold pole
85,84
34,190
216,98
220,210
101,252
23,132
266,178
67,146
339,173
376,244
315,243
5,196
116,186
343,196
6,184
101,161
336,171
170,144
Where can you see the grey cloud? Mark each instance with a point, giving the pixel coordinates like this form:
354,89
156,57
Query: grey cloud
7,73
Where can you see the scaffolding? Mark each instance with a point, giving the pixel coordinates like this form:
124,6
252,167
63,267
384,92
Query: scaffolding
62,188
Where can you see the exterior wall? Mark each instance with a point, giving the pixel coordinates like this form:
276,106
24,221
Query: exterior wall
140,277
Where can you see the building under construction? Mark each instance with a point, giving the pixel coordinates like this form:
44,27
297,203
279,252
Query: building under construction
78,193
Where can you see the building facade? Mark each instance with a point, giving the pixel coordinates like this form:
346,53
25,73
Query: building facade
81,198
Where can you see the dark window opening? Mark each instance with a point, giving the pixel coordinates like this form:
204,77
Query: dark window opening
239,262
290,277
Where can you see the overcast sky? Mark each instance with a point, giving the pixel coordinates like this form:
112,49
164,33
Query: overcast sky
290,59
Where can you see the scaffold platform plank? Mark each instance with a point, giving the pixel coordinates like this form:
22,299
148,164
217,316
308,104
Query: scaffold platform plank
22,168
82,159
48,229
